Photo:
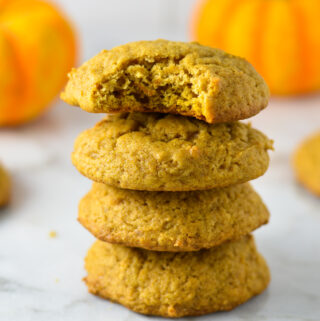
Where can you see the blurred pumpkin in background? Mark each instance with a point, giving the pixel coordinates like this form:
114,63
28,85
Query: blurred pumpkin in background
281,38
37,49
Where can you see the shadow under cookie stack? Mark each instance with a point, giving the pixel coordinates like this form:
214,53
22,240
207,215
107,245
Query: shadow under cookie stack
170,203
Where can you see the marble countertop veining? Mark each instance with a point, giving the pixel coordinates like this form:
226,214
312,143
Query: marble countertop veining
40,276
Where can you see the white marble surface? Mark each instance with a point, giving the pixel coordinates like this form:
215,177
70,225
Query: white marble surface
40,277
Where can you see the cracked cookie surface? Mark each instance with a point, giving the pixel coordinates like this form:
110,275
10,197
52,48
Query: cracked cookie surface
177,284
171,221
168,77
161,152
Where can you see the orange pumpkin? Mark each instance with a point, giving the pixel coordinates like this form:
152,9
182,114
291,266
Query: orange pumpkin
37,49
281,38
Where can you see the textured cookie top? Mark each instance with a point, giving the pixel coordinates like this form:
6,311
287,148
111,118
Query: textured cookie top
168,77
4,186
171,221
161,152
177,284
306,163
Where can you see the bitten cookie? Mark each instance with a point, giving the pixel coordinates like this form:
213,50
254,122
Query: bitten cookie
160,152
168,77
306,163
171,221
4,186
177,284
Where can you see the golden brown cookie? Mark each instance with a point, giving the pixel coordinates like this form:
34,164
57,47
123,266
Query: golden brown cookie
306,163
171,221
4,186
160,152
168,77
177,284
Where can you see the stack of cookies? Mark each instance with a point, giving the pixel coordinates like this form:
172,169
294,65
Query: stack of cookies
170,203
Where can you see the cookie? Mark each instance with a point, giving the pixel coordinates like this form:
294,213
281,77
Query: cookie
163,152
171,221
168,77
306,163
177,284
4,186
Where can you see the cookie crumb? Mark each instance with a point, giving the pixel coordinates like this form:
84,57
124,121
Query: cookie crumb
52,234
194,151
